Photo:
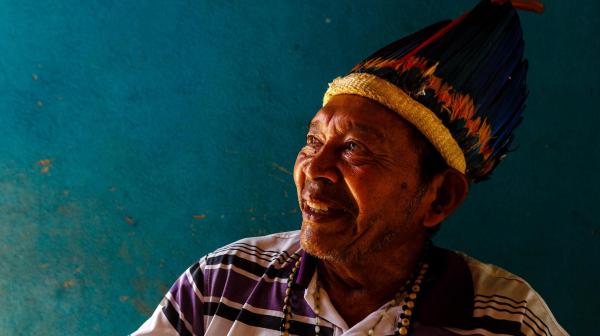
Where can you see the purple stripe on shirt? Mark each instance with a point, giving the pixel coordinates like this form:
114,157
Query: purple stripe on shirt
260,294
190,305
308,265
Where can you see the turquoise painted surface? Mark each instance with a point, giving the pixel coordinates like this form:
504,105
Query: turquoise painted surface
139,135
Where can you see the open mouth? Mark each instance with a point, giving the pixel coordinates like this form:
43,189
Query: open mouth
318,211
317,206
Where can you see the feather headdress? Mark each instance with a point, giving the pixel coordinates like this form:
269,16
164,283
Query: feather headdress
460,82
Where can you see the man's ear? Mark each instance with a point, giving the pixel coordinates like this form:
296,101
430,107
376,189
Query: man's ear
450,189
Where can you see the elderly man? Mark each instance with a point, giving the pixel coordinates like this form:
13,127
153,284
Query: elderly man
387,158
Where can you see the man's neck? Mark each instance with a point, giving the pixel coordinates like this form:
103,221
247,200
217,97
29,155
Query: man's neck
358,288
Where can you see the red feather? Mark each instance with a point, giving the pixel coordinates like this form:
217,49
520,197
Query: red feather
528,5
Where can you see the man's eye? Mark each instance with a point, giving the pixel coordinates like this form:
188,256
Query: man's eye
351,146
312,140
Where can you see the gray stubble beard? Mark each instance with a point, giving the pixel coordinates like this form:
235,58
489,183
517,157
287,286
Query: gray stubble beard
347,255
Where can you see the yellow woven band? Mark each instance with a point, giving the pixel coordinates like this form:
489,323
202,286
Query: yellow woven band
392,97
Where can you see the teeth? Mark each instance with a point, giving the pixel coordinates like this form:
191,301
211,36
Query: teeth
317,206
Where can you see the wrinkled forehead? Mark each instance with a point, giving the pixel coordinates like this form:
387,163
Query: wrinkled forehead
347,112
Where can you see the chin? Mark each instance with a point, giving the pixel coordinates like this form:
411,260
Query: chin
313,245
322,248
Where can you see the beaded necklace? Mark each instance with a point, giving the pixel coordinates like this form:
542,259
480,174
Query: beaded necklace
405,298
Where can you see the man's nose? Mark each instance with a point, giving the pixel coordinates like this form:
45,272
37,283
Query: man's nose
323,166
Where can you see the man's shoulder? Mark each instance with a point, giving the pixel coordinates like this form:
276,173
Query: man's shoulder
274,250
274,240
493,281
280,242
501,294
232,281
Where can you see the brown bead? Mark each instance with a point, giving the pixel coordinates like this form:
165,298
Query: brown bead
403,331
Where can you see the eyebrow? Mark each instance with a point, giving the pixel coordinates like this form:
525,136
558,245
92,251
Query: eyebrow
370,131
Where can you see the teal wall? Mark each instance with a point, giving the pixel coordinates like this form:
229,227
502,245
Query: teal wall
139,135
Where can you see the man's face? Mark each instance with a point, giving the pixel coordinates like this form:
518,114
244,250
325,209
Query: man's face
358,181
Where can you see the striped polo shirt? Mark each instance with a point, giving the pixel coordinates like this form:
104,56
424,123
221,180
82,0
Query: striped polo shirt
239,290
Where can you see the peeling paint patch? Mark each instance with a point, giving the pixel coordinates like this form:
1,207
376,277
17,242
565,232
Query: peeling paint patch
34,77
123,298
129,220
124,252
45,164
200,217
141,307
69,283
280,168
69,209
